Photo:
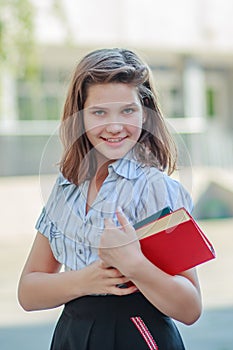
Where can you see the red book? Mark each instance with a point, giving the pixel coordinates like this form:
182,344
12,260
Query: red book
175,242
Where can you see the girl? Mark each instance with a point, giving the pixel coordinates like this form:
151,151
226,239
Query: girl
112,174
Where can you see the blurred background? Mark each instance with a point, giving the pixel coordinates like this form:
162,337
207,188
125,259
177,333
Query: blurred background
188,45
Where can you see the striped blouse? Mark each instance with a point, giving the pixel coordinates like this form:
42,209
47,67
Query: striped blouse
140,191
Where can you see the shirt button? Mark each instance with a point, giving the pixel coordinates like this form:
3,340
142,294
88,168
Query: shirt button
80,251
80,239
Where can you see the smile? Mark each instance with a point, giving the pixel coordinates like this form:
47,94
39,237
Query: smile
114,140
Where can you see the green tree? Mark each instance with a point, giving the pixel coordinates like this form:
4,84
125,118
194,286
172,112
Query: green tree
17,33
17,45
19,48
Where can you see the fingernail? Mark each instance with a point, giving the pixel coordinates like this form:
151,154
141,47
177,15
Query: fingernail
119,210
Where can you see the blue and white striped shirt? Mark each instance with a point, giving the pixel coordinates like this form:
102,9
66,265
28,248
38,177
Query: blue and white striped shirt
139,190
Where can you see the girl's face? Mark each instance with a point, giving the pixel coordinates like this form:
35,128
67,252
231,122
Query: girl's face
113,117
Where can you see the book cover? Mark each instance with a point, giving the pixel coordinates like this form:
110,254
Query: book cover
152,217
174,242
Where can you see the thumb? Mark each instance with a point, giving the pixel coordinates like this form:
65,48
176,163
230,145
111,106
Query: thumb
126,225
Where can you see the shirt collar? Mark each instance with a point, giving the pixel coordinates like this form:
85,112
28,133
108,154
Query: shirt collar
127,167
63,181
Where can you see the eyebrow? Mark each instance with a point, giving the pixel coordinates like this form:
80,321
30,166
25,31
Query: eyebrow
127,105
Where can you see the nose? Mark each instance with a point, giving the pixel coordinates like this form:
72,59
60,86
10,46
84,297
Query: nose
114,127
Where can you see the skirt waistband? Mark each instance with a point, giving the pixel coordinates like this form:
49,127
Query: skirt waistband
115,323
101,306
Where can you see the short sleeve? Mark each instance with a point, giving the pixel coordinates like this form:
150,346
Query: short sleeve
47,223
178,195
45,220
184,199
170,192
43,224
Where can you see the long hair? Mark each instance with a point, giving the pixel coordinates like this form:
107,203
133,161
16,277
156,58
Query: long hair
155,146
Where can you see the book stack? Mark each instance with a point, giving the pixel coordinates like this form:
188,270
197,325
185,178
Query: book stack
173,241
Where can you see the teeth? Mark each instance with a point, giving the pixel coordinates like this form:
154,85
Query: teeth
114,140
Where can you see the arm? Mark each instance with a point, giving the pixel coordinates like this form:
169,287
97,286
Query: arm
176,296
43,286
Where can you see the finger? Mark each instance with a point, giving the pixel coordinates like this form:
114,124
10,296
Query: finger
114,273
104,265
124,291
108,223
123,220
117,282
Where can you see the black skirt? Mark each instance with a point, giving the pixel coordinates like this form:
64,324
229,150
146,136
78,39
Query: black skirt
114,323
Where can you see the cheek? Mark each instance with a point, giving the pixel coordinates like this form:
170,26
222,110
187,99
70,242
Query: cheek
87,124
135,127
92,127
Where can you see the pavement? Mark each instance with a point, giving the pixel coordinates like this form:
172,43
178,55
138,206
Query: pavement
21,199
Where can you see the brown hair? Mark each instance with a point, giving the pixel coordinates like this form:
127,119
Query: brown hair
155,146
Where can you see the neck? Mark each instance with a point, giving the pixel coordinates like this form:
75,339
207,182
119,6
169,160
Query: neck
102,171
102,167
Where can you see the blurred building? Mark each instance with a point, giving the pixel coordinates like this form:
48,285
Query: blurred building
187,43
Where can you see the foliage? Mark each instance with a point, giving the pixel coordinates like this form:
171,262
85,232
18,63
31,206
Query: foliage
17,46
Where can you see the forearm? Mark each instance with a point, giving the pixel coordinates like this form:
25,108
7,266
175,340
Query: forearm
44,290
175,296
40,290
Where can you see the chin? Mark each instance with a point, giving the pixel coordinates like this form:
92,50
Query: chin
113,154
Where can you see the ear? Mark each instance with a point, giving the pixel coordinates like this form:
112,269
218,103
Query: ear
144,117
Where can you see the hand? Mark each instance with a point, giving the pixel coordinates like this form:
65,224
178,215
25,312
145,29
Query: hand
100,278
119,247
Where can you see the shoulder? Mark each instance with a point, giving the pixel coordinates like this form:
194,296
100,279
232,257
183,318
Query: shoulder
60,189
62,183
174,191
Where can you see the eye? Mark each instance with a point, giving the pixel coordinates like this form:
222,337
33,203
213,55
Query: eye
128,110
99,112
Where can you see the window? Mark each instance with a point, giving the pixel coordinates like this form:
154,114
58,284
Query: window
168,82
25,107
176,108
210,103
52,107
217,95
43,98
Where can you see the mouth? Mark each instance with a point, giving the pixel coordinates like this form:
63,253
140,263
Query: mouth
114,139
